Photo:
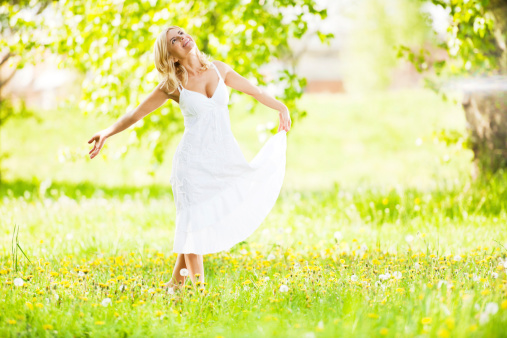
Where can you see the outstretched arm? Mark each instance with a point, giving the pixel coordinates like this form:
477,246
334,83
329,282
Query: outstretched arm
156,98
238,82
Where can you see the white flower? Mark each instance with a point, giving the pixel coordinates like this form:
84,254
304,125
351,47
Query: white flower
106,302
409,238
483,318
69,236
266,278
364,247
243,251
81,274
353,278
457,258
491,308
184,272
271,257
338,235
320,325
284,288
440,282
170,291
476,278
387,275
56,296
18,281
377,284
494,275
382,277
417,266
397,274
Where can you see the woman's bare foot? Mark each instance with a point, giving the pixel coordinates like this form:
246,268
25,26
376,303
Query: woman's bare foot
171,285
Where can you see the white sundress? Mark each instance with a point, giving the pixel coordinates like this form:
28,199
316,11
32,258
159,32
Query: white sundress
220,197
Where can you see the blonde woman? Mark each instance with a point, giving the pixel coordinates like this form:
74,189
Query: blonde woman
220,197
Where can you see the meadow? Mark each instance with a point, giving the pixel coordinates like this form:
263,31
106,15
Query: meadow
378,231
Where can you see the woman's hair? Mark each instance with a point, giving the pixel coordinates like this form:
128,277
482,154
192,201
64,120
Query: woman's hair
172,73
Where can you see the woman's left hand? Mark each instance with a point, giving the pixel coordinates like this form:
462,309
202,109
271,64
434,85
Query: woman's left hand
285,121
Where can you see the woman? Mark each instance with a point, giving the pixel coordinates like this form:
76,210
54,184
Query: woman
220,197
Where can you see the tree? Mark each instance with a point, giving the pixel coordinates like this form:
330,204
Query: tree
112,43
476,46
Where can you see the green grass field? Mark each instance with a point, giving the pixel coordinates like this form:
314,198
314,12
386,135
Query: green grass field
374,234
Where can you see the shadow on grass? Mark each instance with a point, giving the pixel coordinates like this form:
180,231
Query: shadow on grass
38,189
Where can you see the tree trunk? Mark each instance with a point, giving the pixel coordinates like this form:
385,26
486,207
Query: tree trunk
486,114
486,111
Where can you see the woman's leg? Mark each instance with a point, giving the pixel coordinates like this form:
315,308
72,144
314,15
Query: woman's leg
177,280
195,265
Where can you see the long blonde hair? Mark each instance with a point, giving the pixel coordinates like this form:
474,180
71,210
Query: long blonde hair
172,73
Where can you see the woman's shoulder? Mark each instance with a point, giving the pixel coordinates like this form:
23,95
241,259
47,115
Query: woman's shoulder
163,89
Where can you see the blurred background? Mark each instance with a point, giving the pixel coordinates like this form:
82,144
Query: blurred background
367,83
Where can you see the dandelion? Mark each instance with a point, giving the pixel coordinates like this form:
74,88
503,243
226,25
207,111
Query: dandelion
271,257
494,275
476,278
106,302
491,308
81,274
483,318
384,331
338,235
382,277
170,291
18,281
266,278
457,258
99,322
320,326
284,288
184,272
409,238
364,247
353,278
47,327
417,266
397,275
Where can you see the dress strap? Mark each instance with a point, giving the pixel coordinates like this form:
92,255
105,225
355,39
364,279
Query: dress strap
180,87
219,76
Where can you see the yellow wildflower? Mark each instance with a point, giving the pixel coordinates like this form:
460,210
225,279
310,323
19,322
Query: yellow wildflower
426,320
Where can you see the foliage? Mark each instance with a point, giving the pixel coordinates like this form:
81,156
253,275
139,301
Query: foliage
378,27
473,43
112,42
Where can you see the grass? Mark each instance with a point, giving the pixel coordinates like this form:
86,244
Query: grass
377,249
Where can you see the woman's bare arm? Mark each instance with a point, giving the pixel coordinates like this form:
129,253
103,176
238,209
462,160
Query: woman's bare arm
238,82
154,100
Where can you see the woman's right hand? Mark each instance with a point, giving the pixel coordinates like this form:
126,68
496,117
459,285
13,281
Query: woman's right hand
99,139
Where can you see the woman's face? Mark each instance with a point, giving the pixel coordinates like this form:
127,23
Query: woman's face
180,43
